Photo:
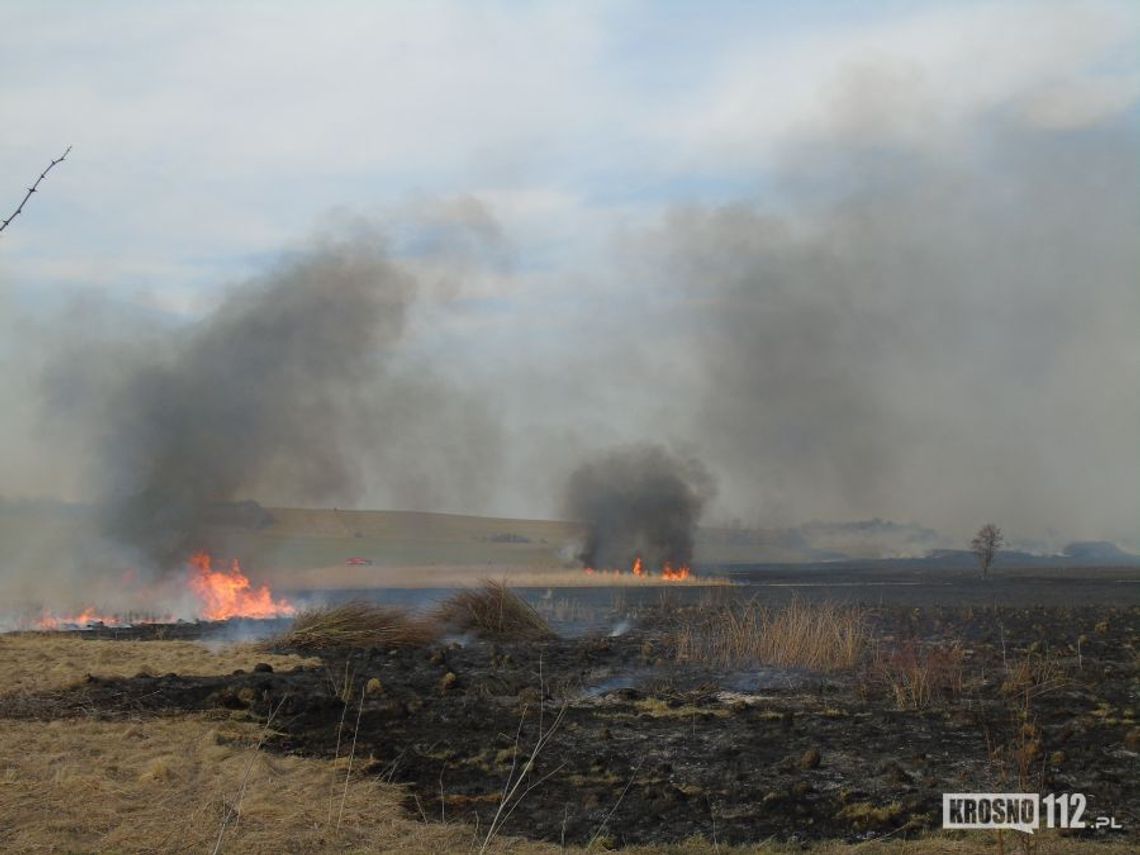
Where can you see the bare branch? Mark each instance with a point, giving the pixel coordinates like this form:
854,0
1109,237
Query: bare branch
33,188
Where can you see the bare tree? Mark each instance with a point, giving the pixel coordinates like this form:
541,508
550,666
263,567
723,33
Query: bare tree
32,189
985,546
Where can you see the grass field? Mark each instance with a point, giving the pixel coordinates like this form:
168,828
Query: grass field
314,538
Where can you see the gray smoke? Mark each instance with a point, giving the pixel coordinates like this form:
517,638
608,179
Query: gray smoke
638,500
264,394
934,333
952,339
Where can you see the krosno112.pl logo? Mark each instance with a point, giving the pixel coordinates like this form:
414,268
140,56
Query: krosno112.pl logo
1019,811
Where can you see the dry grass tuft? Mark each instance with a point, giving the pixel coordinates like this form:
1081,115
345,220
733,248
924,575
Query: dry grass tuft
821,637
917,675
357,624
1033,675
493,610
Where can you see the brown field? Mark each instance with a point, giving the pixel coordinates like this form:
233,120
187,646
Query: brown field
94,764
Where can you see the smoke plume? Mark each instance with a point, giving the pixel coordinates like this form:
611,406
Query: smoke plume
938,331
264,394
946,341
638,500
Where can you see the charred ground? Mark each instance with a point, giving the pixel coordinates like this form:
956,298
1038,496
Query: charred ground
639,746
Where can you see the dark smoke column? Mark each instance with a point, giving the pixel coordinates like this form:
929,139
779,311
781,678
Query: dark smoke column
638,500
268,391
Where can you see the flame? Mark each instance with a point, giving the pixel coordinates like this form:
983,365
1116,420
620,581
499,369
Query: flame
220,594
229,594
668,573
675,574
93,617
52,621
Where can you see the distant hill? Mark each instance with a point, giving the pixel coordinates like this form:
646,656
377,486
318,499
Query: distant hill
817,541
1104,553
873,538
48,533
1096,550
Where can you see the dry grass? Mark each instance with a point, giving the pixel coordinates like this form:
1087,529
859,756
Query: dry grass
33,662
1032,675
166,785
579,578
357,624
493,610
451,574
917,675
821,637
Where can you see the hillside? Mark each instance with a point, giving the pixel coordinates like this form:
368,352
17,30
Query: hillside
309,548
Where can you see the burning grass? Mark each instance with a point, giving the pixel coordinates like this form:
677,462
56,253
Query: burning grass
494,611
449,575
823,637
357,624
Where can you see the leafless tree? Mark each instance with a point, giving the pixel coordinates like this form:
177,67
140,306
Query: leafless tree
985,546
32,189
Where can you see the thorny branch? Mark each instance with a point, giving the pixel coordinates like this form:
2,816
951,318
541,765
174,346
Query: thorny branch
32,189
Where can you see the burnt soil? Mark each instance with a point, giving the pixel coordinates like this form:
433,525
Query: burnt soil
646,749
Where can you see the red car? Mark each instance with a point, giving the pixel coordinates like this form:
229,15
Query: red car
359,562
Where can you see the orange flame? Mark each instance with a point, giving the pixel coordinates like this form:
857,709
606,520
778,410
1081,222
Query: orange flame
669,573
90,616
229,595
52,621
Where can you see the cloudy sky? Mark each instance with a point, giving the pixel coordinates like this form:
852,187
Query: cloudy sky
566,176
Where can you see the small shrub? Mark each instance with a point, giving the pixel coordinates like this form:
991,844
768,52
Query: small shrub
493,610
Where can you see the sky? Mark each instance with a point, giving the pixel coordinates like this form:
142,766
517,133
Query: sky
591,196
